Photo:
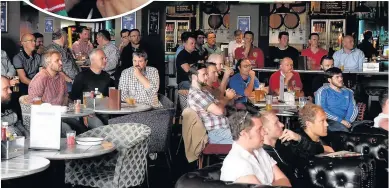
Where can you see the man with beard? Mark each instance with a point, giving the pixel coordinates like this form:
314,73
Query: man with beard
211,46
134,45
314,53
210,110
15,126
319,80
27,62
50,86
215,72
140,82
39,43
337,101
291,150
247,162
82,47
70,68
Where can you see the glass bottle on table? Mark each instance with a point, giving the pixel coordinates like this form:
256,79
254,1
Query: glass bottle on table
15,88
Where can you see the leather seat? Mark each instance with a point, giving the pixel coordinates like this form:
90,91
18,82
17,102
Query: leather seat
209,177
373,145
340,172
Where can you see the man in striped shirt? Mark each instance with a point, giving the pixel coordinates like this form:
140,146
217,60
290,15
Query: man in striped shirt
337,101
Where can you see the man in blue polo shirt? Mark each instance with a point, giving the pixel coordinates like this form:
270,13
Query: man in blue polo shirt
244,82
337,101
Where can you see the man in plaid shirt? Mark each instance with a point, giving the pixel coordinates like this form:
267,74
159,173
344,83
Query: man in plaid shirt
140,81
210,110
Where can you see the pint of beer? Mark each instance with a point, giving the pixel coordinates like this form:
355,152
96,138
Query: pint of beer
269,102
259,95
37,101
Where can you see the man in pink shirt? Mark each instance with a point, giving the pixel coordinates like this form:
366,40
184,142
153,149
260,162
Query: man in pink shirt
48,84
83,46
314,53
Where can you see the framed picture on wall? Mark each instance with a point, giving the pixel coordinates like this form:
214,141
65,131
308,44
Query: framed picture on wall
4,17
49,25
129,21
153,22
243,23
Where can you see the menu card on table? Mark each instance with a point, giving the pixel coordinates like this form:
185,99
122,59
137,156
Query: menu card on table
114,102
45,129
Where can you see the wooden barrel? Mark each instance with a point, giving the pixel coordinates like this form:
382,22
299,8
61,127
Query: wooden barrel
291,21
275,21
215,21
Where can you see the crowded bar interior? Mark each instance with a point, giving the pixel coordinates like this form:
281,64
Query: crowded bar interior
196,94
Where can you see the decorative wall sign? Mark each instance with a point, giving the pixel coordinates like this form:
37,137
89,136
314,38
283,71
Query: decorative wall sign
129,21
153,24
4,17
49,25
243,23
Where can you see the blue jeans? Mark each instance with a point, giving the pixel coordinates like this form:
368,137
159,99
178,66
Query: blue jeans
220,136
69,86
184,85
335,126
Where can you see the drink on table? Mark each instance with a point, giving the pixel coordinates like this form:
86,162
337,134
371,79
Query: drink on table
259,94
16,87
302,101
77,106
37,101
342,67
71,137
85,96
269,101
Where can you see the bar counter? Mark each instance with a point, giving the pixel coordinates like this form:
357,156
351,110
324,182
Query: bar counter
322,72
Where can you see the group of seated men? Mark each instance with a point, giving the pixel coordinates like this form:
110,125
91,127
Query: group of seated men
214,86
50,82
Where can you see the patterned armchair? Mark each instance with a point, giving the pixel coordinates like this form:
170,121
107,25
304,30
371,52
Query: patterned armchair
26,107
122,168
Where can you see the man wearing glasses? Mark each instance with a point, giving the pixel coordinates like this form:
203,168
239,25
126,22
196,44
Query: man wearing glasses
211,46
210,110
247,161
244,82
27,62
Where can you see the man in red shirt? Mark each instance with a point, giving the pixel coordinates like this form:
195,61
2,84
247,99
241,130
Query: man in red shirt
314,53
249,51
291,78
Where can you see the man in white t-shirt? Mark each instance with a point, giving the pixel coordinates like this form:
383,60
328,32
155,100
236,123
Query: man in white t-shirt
383,118
247,162
238,42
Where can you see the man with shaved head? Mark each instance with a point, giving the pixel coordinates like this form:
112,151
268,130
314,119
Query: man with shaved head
15,126
218,75
94,77
349,57
26,62
89,79
291,78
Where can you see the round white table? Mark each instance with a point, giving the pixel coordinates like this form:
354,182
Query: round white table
125,109
70,113
73,151
22,166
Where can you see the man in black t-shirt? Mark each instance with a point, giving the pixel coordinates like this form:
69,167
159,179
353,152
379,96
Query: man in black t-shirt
185,58
276,53
89,79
